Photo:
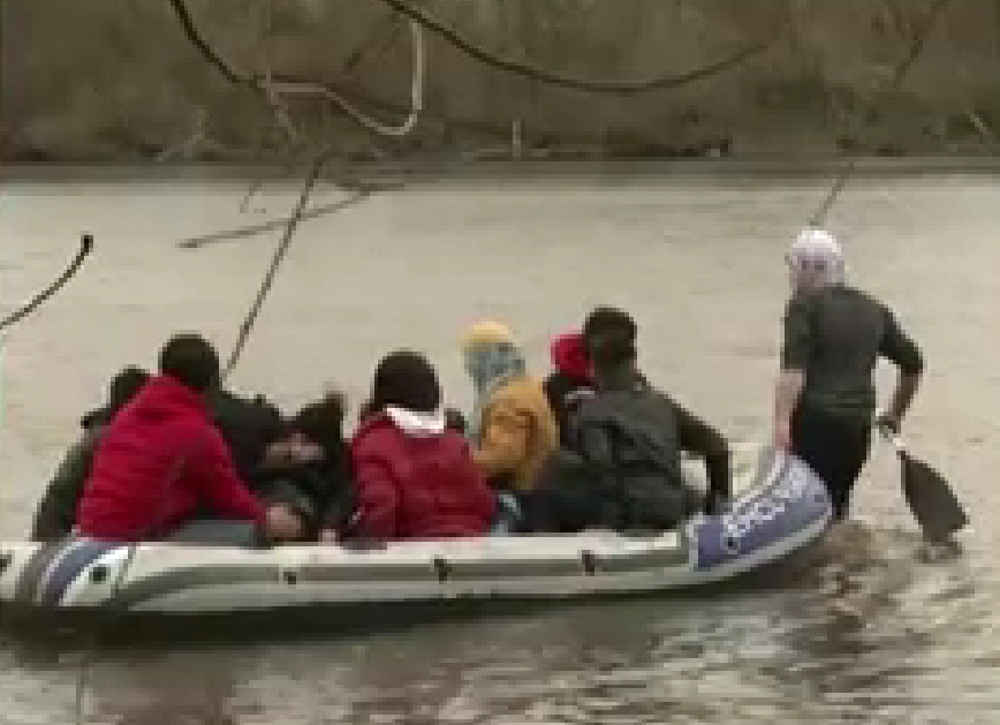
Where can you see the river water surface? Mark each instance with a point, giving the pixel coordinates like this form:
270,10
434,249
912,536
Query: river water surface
877,635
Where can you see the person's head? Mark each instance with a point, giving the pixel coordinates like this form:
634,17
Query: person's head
322,422
815,260
612,352
405,379
191,360
124,387
609,335
491,354
604,320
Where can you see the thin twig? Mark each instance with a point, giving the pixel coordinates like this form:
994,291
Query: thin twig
232,235
274,100
984,130
279,255
86,246
186,147
381,37
922,32
924,29
287,85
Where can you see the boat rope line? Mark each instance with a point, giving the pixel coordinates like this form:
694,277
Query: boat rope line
279,254
920,37
86,247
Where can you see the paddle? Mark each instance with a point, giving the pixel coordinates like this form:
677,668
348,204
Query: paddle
934,505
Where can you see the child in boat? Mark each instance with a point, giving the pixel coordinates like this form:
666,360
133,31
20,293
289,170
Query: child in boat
247,424
162,464
414,477
307,468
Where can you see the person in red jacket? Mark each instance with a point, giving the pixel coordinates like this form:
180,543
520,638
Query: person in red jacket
414,476
161,464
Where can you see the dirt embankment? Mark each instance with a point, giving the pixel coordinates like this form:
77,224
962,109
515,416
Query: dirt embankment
116,80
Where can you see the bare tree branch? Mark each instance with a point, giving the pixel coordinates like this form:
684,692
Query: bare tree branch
527,70
286,85
922,33
509,66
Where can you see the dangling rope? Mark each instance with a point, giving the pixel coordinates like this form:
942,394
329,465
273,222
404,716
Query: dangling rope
920,38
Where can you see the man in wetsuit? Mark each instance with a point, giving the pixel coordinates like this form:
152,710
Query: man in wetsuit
833,336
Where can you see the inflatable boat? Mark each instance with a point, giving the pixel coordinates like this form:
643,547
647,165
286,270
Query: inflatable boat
781,509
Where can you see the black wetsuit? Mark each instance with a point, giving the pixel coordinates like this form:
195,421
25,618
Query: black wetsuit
836,336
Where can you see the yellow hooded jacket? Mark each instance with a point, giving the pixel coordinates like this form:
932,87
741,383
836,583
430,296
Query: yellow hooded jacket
519,432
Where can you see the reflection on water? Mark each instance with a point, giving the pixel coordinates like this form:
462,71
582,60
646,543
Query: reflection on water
870,631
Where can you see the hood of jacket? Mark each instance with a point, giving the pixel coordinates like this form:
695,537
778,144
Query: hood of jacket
165,398
569,357
417,424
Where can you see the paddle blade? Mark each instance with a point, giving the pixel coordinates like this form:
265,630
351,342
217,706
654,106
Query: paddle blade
931,500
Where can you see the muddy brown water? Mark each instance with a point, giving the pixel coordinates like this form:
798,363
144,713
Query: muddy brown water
875,634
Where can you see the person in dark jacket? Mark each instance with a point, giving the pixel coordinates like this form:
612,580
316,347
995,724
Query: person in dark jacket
825,397
570,381
414,477
162,464
56,512
307,467
623,466
248,425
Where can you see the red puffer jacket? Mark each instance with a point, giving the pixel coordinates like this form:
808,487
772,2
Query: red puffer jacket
158,463
415,479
